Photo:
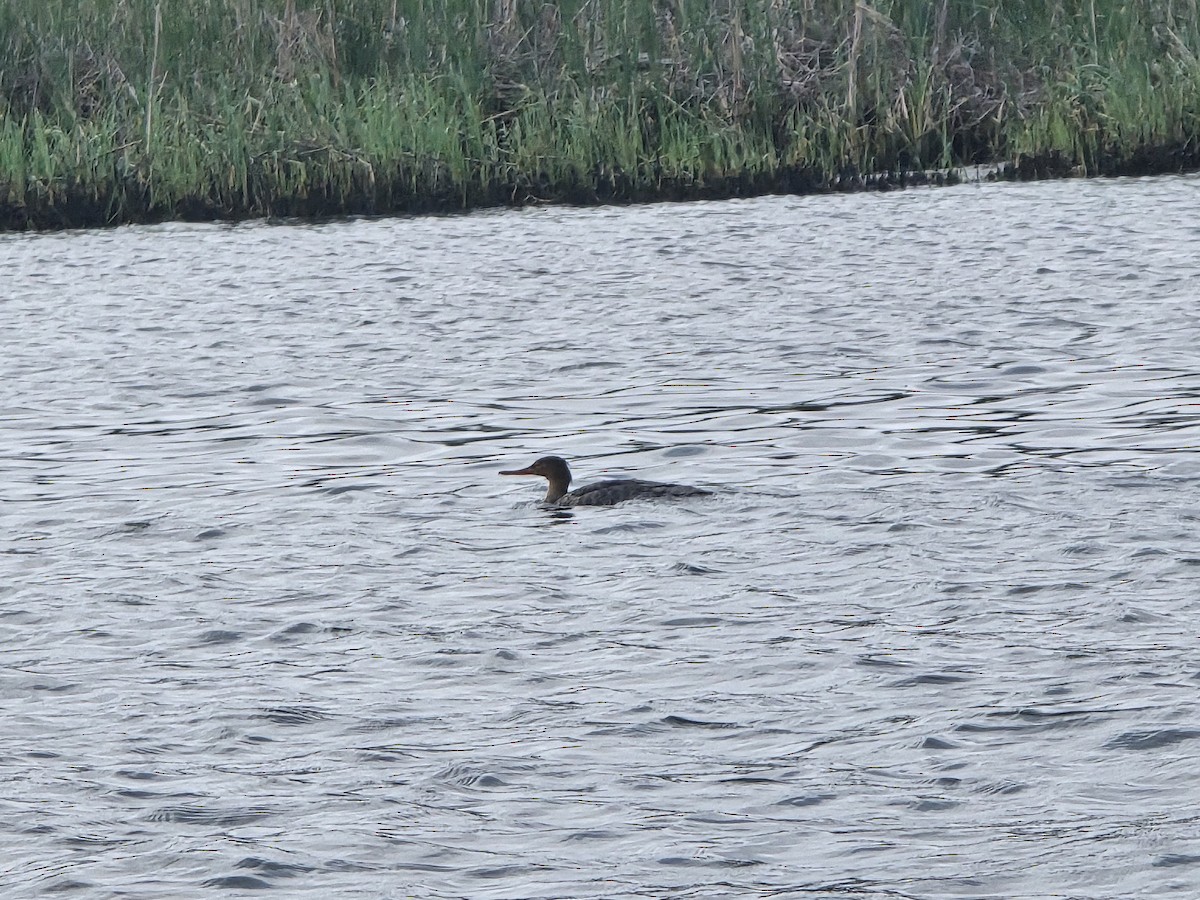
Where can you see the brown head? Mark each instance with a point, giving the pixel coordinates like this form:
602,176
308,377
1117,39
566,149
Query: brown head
554,469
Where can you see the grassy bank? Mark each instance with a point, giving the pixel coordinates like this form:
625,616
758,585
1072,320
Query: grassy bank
129,110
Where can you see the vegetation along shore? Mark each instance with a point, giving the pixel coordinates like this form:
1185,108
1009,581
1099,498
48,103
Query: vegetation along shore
137,110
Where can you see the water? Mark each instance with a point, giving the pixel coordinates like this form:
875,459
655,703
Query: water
270,619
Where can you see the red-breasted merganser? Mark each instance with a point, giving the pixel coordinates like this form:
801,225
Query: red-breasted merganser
603,493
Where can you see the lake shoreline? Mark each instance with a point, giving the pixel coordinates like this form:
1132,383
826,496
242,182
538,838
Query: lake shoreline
69,211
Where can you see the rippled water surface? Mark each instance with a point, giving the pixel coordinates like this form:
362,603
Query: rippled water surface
271,620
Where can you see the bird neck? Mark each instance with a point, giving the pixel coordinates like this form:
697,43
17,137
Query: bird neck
556,490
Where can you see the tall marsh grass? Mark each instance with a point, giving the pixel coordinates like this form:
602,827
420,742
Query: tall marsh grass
117,110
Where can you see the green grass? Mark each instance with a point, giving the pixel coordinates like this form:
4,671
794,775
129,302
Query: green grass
109,112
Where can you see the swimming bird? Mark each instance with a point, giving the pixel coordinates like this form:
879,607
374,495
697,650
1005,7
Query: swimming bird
603,493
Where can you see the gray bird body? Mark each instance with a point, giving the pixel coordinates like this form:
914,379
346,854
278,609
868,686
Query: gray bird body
603,493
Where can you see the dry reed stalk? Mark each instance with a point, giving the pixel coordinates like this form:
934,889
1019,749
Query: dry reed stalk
331,30
736,62
852,61
939,34
152,86
302,38
504,43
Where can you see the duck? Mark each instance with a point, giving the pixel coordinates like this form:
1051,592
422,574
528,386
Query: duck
603,493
